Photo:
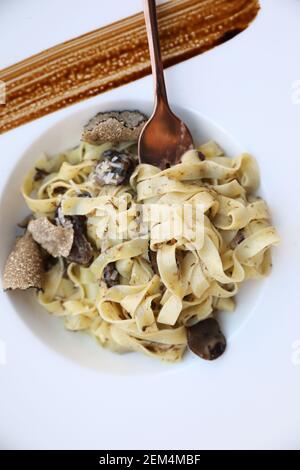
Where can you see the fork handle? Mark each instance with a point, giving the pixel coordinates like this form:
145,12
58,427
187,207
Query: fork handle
154,47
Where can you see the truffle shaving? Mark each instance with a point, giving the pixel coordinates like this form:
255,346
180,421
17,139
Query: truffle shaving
57,241
82,251
24,267
114,126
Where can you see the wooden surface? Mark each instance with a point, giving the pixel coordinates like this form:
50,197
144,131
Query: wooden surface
116,54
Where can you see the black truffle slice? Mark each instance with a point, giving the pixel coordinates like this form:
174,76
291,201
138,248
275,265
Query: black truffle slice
57,241
81,251
24,267
206,339
114,126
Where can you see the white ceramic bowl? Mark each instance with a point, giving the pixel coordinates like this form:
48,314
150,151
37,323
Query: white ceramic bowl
78,346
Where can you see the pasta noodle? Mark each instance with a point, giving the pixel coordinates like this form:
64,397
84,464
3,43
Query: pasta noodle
202,257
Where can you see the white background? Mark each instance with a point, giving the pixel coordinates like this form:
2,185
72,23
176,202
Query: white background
251,398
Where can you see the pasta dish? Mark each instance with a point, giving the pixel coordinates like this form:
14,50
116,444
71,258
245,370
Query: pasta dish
142,259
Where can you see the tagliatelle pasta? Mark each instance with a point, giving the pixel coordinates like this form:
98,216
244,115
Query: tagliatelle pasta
201,221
